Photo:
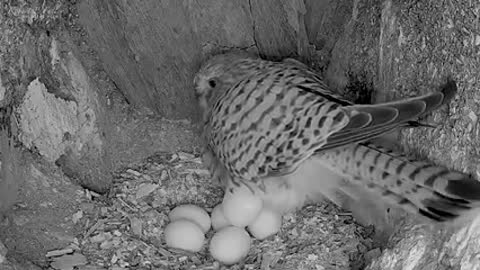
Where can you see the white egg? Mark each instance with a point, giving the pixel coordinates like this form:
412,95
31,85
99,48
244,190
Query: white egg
184,234
241,206
218,218
266,224
193,213
230,245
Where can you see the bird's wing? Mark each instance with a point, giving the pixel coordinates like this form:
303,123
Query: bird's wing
271,121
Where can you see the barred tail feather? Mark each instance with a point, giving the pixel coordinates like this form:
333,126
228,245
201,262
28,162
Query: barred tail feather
431,191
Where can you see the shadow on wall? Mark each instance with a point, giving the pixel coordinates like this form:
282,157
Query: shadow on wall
151,49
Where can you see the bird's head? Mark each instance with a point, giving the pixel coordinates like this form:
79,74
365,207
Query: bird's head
219,73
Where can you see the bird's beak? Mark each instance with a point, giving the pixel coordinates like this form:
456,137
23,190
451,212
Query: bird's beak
197,94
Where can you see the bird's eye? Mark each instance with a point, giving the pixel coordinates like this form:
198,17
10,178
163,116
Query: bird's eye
212,83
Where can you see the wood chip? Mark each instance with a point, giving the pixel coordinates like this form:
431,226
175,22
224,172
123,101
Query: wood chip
55,253
133,172
145,190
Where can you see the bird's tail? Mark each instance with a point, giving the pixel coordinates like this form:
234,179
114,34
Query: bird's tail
421,188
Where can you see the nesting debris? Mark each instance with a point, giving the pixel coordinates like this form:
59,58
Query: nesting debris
124,230
68,262
3,253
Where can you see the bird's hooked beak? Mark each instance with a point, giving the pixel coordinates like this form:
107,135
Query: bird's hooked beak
197,94
195,86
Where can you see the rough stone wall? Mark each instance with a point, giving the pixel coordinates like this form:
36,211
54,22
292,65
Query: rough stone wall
408,48
64,120
152,49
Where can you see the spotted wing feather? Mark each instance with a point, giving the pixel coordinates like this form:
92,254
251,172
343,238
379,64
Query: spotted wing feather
266,124
388,116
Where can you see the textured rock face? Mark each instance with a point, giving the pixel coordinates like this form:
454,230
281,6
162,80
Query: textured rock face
63,120
404,49
45,121
151,49
425,247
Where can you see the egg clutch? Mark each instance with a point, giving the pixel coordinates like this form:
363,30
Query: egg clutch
240,215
